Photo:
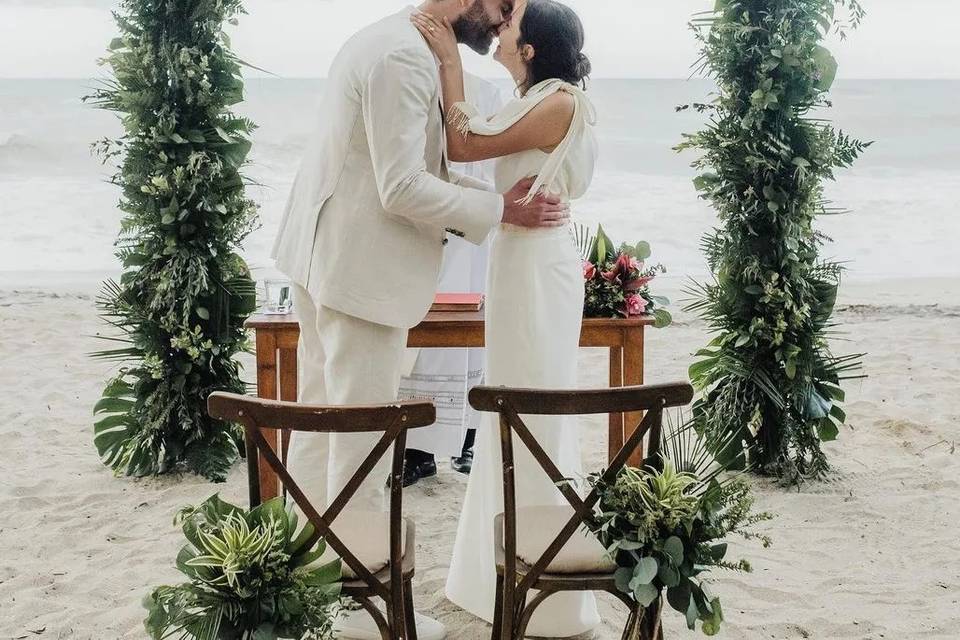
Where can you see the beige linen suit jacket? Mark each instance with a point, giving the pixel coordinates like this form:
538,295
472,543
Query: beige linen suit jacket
364,227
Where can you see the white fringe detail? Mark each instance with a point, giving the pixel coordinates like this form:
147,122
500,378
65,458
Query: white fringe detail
459,119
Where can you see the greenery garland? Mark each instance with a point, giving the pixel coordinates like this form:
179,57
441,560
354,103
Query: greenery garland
768,377
185,292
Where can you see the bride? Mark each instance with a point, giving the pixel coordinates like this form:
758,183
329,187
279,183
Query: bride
535,284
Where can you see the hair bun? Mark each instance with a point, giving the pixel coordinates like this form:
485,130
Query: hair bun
583,65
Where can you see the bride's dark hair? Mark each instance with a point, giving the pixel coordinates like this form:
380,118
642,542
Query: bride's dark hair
555,32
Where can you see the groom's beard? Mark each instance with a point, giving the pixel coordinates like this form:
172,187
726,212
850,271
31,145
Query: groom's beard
475,29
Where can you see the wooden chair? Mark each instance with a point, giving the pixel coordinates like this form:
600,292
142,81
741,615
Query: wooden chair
563,564
375,572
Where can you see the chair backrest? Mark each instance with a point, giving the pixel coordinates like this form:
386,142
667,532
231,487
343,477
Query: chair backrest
512,403
393,420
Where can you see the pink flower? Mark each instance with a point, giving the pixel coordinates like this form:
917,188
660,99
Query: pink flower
636,305
628,263
611,276
639,283
589,270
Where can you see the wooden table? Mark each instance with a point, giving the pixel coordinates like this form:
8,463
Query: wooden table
276,348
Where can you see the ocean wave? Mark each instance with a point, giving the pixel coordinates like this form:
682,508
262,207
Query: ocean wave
19,150
14,139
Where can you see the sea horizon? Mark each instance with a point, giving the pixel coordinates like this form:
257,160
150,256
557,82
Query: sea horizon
902,193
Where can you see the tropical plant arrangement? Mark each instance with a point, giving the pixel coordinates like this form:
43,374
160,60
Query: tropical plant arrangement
768,377
617,280
249,578
185,292
667,525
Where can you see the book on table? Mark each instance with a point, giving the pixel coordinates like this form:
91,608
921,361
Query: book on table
453,302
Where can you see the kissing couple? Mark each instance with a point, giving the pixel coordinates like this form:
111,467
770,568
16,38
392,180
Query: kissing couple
375,184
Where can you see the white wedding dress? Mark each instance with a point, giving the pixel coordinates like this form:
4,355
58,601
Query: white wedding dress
534,311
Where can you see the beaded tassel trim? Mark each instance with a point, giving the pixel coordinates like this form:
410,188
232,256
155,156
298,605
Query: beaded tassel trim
459,120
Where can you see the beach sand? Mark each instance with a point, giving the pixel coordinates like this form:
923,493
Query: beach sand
871,552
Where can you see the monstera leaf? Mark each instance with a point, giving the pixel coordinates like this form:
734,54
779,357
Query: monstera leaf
826,67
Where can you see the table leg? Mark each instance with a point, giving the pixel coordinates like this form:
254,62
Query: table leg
288,392
633,375
267,389
615,429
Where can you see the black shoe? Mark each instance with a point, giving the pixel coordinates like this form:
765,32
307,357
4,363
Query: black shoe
463,464
415,472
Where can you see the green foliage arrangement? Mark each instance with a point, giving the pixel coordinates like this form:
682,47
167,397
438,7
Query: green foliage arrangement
185,292
666,525
617,281
249,578
768,378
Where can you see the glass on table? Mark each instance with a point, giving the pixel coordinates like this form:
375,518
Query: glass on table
279,297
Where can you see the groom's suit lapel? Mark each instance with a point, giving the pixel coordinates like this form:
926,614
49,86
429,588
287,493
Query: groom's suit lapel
444,169
437,109
438,112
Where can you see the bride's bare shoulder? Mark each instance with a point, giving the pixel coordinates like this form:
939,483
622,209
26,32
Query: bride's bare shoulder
554,113
554,116
560,104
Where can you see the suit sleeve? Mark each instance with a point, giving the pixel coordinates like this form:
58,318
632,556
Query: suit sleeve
470,182
396,105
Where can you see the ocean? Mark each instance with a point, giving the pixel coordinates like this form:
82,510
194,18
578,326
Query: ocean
59,214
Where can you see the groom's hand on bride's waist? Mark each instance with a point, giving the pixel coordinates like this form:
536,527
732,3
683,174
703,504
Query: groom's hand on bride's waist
544,210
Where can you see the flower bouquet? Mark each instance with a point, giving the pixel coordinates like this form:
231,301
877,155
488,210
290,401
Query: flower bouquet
666,525
250,578
617,281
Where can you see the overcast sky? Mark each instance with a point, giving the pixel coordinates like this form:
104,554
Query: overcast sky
625,38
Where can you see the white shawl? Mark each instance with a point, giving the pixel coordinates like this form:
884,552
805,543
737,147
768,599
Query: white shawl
467,119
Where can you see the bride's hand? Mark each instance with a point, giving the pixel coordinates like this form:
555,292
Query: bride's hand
440,36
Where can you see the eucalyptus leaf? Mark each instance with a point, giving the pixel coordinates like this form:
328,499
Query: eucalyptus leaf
642,251
669,576
645,594
673,547
644,572
680,597
662,318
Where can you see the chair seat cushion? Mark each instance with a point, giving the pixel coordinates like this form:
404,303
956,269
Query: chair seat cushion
367,535
537,527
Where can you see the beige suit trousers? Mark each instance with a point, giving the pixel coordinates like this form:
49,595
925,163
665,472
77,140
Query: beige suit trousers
343,360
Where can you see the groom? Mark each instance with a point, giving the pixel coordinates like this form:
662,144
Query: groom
362,236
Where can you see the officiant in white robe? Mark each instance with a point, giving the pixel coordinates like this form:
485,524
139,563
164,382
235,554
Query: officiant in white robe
446,375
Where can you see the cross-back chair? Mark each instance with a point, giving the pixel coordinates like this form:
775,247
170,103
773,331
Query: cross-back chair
374,572
564,563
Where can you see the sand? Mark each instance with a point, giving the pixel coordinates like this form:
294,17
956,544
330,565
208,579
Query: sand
872,552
